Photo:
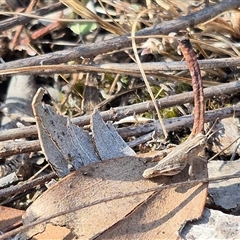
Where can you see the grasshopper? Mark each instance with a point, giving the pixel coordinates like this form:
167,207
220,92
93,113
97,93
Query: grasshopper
185,153
180,157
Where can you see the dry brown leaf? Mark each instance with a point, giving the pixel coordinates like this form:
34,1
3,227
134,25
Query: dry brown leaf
146,216
165,212
54,232
9,217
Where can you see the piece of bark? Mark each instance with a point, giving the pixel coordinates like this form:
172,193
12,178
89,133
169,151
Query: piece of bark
213,225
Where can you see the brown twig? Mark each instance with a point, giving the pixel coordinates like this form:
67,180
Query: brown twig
145,131
199,105
118,113
152,68
41,32
19,147
174,124
26,185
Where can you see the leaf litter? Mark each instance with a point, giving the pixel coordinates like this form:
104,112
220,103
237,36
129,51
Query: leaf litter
152,215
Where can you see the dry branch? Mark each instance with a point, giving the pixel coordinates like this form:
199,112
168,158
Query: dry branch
177,123
146,130
152,68
118,113
26,185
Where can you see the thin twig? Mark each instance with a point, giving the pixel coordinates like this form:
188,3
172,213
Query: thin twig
118,113
153,68
145,130
26,185
30,7
21,20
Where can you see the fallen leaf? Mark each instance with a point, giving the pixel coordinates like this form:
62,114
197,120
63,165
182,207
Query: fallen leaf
108,142
54,232
228,135
164,214
62,142
9,218
146,216
152,215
